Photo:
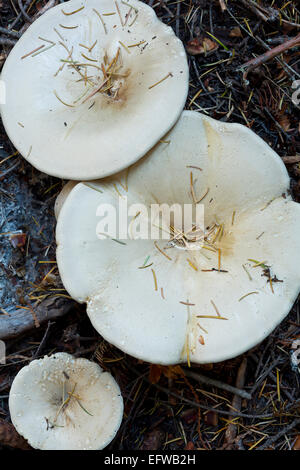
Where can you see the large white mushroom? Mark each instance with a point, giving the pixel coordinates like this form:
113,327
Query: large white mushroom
169,301
63,403
91,86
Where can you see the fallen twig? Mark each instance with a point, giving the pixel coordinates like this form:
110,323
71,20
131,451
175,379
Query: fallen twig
7,42
216,383
270,54
42,343
25,15
267,14
43,10
279,434
223,5
21,321
14,34
4,173
260,12
231,430
16,20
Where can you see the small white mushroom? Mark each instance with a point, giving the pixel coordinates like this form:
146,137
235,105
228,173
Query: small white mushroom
92,86
165,303
63,403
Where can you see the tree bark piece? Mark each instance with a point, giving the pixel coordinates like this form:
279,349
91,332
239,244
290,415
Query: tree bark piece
20,321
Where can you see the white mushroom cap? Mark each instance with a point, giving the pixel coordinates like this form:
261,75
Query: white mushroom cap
59,201
55,117
246,187
92,411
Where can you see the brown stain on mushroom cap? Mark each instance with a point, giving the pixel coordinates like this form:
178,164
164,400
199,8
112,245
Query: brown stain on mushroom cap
226,243
102,101
214,153
214,142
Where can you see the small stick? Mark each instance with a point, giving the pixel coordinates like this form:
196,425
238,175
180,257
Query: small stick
14,34
125,47
134,19
196,167
283,431
43,50
192,264
137,44
247,272
60,36
256,9
154,278
146,266
96,91
88,58
25,15
192,188
270,54
195,97
93,45
63,102
72,12
214,269
212,316
233,217
119,13
216,383
246,295
42,343
128,5
162,252
202,197
222,5
215,307
8,42
46,40
100,17
32,52
163,79
127,16
231,430
68,27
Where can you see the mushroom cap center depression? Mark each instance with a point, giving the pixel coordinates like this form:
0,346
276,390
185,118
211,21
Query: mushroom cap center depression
65,398
99,85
